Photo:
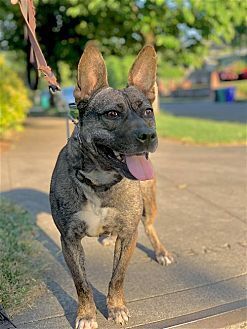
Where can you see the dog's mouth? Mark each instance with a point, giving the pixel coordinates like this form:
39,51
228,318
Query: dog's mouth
134,166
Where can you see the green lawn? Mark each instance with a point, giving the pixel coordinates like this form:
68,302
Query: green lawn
19,270
200,131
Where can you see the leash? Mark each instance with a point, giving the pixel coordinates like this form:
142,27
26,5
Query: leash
28,12
37,58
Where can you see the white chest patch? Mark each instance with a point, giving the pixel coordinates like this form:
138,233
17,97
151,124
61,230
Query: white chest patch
94,218
93,214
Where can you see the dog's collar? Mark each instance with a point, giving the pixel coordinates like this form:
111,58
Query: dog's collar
97,188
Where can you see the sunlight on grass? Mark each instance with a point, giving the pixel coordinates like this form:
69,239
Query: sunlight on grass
200,131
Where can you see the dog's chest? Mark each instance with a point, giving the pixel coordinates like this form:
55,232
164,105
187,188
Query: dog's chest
95,218
94,215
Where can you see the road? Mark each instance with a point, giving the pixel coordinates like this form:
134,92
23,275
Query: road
206,109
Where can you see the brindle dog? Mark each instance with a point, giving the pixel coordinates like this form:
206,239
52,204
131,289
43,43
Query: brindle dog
95,186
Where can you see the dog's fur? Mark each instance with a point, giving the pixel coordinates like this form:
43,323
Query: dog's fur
92,191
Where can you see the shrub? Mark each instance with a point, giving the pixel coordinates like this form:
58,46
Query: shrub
14,102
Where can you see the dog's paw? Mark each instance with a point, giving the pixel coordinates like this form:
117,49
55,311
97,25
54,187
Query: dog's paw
164,258
119,315
108,241
87,323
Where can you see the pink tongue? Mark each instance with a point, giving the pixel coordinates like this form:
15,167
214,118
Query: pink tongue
140,167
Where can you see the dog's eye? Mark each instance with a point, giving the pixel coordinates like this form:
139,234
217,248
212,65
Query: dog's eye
149,112
112,114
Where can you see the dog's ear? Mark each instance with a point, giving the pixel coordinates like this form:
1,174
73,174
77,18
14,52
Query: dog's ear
143,72
92,73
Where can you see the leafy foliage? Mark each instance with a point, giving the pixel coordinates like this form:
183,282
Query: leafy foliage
118,68
14,101
182,30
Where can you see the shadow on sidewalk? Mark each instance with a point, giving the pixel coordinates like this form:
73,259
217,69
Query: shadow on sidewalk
37,202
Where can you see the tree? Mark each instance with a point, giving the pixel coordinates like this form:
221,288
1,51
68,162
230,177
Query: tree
181,30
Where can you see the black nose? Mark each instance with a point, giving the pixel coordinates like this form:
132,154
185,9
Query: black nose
146,136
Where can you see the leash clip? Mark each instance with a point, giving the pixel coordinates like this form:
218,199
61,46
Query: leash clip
53,89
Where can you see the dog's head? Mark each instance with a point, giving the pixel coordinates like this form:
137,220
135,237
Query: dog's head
118,125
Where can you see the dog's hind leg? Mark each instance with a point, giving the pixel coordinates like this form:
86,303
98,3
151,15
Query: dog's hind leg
74,255
148,188
117,310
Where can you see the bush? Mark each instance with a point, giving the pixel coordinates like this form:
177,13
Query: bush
14,102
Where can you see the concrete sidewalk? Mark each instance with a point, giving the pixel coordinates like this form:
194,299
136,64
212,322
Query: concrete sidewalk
202,220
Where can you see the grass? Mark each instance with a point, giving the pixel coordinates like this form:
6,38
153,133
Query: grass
200,131
19,270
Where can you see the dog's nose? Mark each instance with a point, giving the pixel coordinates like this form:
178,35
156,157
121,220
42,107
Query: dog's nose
146,136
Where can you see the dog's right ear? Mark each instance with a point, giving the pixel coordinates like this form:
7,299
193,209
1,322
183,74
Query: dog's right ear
92,73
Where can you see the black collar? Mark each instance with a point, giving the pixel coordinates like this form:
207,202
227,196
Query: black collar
97,188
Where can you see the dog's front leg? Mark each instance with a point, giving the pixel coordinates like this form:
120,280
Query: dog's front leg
74,255
117,309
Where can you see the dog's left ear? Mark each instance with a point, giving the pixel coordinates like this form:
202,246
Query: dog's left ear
143,72
92,73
